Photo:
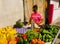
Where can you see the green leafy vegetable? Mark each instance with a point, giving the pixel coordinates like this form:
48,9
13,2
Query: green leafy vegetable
31,34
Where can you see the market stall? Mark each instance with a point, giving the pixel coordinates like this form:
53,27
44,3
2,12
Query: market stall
26,33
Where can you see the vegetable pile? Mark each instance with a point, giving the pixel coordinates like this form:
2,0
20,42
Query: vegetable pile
33,37
24,39
7,35
18,24
48,35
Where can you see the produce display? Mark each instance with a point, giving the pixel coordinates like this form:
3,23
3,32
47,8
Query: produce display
41,37
7,34
10,35
25,39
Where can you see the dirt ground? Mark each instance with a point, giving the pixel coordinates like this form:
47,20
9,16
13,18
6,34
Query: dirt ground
58,40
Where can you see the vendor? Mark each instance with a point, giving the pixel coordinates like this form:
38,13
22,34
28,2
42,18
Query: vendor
36,17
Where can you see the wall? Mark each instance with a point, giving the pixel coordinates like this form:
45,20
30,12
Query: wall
10,12
56,13
55,2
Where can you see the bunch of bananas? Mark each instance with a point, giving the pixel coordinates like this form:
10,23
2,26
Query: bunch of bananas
7,34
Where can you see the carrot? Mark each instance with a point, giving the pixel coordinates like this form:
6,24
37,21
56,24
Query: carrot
36,40
12,42
40,41
33,41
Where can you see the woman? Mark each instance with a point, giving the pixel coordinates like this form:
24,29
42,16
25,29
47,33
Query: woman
36,17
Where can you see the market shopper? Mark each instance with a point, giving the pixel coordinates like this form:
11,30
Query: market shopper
36,17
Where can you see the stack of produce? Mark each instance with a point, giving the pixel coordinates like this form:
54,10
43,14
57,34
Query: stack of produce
41,37
30,37
48,35
7,34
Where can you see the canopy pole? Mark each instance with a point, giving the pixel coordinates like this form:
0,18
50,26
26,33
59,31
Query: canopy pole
24,12
46,14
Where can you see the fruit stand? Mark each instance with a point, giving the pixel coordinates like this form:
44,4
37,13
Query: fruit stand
26,35
47,36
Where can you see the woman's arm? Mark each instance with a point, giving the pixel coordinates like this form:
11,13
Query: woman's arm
41,22
29,22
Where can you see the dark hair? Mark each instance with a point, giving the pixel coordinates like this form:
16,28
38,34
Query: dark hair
35,6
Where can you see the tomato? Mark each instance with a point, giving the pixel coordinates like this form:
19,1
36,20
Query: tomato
40,41
17,38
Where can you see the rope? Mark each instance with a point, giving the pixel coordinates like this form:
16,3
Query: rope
24,12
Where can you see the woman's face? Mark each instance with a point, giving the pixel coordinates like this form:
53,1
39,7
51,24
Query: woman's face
35,9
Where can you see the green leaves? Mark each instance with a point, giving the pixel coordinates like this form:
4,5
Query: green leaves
48,35
20,41
26,41
45,31
31,34
39,36
23,41
19,24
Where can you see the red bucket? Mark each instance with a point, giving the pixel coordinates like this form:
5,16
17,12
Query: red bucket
50,13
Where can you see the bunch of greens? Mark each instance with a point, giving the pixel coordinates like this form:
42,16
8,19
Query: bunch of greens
48,35
19,24
31,34
22,40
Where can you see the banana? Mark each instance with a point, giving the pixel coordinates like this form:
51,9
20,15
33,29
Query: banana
7,34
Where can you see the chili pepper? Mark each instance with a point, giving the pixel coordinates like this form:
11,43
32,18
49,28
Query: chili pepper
17,38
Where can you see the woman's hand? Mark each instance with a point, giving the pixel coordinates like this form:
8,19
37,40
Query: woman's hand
41,22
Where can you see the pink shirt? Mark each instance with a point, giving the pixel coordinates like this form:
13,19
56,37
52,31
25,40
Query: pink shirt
36,17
